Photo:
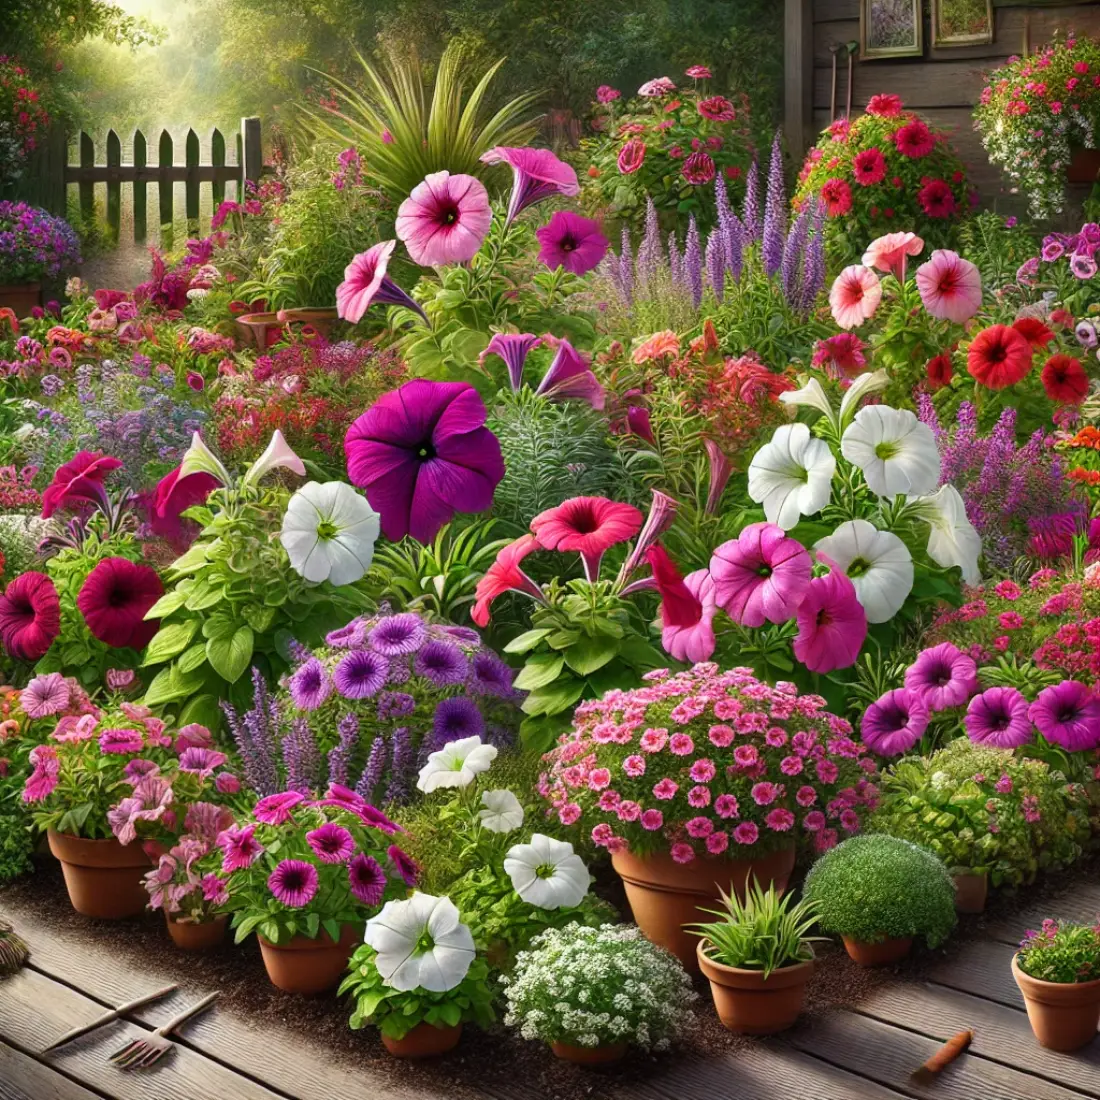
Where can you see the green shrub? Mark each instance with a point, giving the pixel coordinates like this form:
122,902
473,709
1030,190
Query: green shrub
874,888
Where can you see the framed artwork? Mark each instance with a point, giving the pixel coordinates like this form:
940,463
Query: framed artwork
961,22
890,28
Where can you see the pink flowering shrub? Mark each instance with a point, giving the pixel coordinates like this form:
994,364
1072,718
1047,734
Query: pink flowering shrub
705,762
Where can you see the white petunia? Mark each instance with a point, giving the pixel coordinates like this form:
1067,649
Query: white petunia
791,475
457,764
877,562
547,873
861,387
421,944
502,812
329,532
952,539
895,451
812,395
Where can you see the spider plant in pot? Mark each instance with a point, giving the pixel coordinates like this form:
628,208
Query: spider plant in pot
758,958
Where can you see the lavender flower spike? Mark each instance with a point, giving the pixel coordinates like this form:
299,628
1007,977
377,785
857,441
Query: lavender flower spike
793,256
693,263
775,212
371,778
675,260
716,263
339,757
649,254
735,238
750,209
626,268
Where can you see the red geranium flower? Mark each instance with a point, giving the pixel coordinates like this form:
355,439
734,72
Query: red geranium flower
869,167
589,525
914,139
998,357
30,616
114,599
717,108
78,480
1034,332
837,196
1065,380
936,199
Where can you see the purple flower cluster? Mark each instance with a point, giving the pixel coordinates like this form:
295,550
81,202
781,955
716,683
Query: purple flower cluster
1078,250
34,244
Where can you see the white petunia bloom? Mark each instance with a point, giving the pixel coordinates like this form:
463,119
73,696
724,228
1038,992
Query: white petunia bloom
329,532
861,387
502,812
547,873
421,944
791,475
878,564
812,395
952,539
895,451
457,764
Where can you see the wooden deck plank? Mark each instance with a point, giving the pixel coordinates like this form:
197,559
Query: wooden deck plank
983,968
34,1009
1000,1033
1078,902
22,1078
889,1055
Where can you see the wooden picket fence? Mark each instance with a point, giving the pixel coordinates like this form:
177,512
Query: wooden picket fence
54,173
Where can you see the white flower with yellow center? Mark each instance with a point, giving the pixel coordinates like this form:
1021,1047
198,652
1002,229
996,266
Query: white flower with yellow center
791,475
878,564
329,532
895,451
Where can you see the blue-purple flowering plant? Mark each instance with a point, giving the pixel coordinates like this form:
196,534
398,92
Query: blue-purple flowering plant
34,244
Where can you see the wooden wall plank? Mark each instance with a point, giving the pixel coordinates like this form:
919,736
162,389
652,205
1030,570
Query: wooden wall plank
798,73
943,84
22,1078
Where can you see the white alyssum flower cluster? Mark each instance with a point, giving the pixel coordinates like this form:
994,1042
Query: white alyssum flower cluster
595,987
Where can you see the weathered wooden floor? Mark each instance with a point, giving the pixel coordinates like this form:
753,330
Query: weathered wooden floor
865,1053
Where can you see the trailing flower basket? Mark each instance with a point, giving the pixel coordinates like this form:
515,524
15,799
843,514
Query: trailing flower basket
104,878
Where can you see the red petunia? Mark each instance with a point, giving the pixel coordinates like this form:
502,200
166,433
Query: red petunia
30,616
1034,332
939,371
884,105
78,481
503,576
914,139
114,600
999,357
679,608
1065,380
837,196
589,525
936,199
869,167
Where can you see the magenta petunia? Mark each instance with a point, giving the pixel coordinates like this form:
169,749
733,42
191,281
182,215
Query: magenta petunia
421,453
367,879
30,616
832,625
331,843
114,599
404,864
275,808
366,282
513,348
121,741
239,847
761,576
570,376
293,883
943,676
999,717
537,174
571,241
1068,714
444,219
202,762
78,481
895,722
45,695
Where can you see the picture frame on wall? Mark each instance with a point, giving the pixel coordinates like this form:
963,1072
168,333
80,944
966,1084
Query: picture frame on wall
961,23
890,28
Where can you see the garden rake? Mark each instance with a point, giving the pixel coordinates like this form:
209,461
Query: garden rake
150,1049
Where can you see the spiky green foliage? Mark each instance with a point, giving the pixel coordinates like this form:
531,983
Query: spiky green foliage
429,129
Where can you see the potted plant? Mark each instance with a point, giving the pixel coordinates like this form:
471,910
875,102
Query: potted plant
718,778
758,959
592,993
878,893
305,875
87,768
417,978
34,245
1058,971
184,885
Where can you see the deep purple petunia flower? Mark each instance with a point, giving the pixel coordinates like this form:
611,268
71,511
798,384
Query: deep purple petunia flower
397,635
360,674
294,883
943,676
895,723
310,686
491,676
406,866
454,719
1068,714
331,843
368,880
572,242
442,663
513,348
421,453
352,636
537,174
998,717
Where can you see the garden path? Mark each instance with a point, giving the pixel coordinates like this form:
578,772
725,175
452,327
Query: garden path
257,1044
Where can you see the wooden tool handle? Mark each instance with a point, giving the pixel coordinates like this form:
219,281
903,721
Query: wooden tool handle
187,1013
109,1017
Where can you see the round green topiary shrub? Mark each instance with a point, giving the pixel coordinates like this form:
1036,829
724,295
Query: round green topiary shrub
872,888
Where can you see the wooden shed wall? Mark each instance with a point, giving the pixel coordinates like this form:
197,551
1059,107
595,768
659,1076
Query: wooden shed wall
944,84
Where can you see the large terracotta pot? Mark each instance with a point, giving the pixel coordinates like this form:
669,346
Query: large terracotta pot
424,1041
104,878
750,1004
302,965
882,953
665,895
590,1056
319,318
1063,1015
971,892
1084,165
20,298
258,329
189,936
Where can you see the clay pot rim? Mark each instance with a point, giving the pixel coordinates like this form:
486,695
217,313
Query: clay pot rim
69,848
1054,993
612,1052
221,917
736,977
660,872
301,942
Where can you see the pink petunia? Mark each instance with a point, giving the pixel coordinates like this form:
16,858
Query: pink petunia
855,295
950,287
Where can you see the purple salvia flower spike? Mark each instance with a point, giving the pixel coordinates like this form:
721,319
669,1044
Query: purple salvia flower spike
626,268
750,208
675,260
716,263
693,263
775,212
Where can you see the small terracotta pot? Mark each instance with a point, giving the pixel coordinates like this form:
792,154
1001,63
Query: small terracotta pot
1063,1015
104,878
665,895
882,953
320,318
971,892
257,328
21,298
590,1056
750,1004
189,936
306,966
424,1041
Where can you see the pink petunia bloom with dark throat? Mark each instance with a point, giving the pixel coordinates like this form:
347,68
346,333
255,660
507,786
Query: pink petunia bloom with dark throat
445,219
114,599
537,174
366,282
572,242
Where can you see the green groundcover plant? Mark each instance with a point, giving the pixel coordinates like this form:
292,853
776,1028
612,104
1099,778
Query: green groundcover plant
1064,953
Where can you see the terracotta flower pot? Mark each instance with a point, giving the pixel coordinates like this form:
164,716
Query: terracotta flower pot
882,953
424,1041
665,895
1063,1015
319,318
104,878
971,892
189,936
256,329
302,965
750,1004
590,1056
1084,165
20,298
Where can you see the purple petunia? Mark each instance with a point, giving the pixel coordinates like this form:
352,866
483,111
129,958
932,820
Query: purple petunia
294,883
239,847
405,865
491,676
895,723
331,843
998,717
397,635
454,719
942,676
368,880
442,663
1068,714
352,636
310,686
360,674
201,762
395,704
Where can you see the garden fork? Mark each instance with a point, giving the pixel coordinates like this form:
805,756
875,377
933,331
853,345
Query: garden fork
148,1050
